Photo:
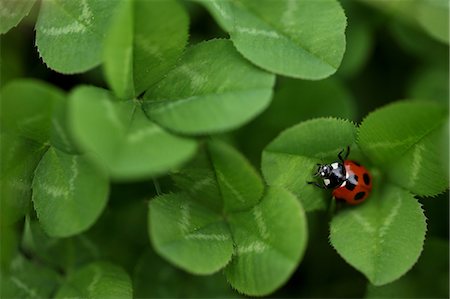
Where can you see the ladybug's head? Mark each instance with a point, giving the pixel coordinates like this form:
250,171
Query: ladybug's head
324,171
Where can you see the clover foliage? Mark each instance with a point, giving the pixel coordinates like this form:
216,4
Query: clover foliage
163,148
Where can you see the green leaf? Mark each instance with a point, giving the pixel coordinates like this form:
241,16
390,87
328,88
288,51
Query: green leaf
28,280
430,84
295,101
418,283
121,136
224,215
383,237
19,159
297,38
64,254
69,193
401,138
27,107
184,232
432,15
69,34
267,250
212,89
138,51
12,12
290,159
97,280
175,283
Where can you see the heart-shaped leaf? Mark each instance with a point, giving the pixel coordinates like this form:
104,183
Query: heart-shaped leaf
97,280
290,159
224,214
69,34
212,89
297,38
137,50
407,149
68,187
121,136
384,236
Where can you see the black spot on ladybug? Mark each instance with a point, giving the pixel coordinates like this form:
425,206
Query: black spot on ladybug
356,163
366,178
356,177
359,195
349,186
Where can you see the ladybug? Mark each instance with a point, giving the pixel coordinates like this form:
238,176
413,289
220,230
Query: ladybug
350,181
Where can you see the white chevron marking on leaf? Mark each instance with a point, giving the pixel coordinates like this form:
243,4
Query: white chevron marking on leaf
262,228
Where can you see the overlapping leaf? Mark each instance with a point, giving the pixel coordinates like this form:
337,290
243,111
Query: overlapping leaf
223,216
212,89
68,187
405,140
121,136
297,38
383,237
138,51
69,34
97,280
290,160
12,12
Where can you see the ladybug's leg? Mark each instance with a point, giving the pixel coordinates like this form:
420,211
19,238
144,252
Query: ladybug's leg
317,185
346,154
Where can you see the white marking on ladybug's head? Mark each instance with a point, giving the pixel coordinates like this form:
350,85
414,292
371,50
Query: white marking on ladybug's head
326,181
335,165
346,175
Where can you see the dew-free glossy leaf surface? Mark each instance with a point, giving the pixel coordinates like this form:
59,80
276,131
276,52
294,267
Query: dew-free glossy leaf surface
185,233
143,44
383,237
28,279
69,34
224,215
122,137
19,158
97,280
290,159
27,107
270,240
212,89
68,187
404,139
12,12
297,38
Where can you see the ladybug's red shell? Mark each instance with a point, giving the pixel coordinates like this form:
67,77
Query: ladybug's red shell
357,186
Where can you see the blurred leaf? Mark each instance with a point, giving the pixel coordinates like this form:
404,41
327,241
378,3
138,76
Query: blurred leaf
28,280
430,84
290,159
122,137
432,15
65,254
12,12
298,38
295,101
170,282
97,280
401,138
267,250
69,34
9,244
69,193
27,107
19,159
138,51
418,283
224,217
384,236
213,89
